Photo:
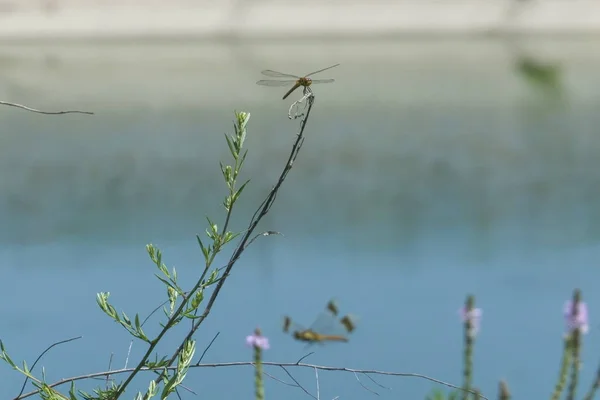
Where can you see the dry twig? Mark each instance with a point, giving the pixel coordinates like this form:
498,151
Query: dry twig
6,103
281,365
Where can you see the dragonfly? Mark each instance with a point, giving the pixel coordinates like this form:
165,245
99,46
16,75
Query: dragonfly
326,328
297,81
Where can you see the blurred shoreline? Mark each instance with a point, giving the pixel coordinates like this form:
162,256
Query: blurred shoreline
87,19
192,74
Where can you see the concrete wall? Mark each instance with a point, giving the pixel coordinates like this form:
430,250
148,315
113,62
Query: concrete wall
34,19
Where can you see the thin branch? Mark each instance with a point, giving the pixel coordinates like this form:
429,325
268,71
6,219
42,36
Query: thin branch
6,103
267,233
208,347
377,383
153,311
177,393
304,357
128,353
297,383
364,387
41,355
109,368
317,379
279,380
283,366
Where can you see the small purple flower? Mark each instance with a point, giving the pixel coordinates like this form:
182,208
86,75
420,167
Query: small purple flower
257,340
474,316
577,321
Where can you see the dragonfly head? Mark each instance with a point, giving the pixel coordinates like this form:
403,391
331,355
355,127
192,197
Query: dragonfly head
304,81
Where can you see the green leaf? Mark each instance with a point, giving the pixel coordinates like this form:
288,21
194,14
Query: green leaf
189,314
25,368
140,334
151,251
205,250
172,293
227,203
101,299
243,118
152,390
163,362
198,297
126,319
229,236
242,161
72,395
213,277
169,387
239,191
213,233
163,268
231,146
166,282
5,355
226,170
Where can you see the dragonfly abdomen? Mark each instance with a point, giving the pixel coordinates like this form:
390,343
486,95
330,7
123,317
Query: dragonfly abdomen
310,336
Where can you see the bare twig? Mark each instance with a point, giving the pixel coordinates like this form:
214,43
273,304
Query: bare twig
364,387
317,379
281,365
304,357
280,380
153,311
267,233
128,353
297,383
41,355
208,347
6,103
109,368
377,383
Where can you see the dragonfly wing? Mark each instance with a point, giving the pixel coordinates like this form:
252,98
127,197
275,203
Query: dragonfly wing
326,320
271,82
275,74
323,80
349,323
329,323
321,70
340,327
290,326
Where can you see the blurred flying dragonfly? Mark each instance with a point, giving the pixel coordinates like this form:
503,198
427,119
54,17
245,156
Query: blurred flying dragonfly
326,328
298,81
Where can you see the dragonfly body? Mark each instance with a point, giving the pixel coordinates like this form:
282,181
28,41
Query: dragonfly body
297,82
304,82
315,334
311,337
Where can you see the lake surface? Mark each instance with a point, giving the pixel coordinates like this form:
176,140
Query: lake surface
430,170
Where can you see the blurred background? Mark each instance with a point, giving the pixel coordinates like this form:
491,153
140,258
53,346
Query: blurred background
457,152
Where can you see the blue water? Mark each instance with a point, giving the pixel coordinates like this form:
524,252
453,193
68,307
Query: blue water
398,208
